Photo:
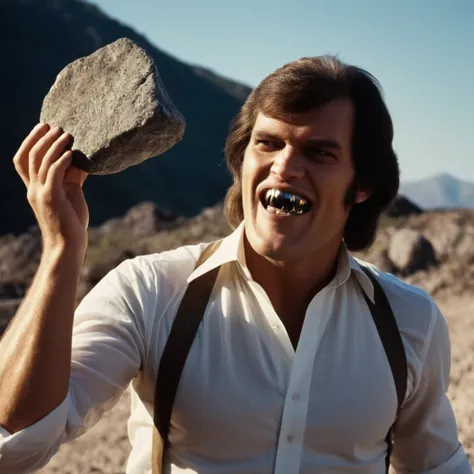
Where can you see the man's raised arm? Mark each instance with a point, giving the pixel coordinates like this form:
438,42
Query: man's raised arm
35,361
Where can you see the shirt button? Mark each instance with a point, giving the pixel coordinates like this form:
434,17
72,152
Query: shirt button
290,438
296,396
276,327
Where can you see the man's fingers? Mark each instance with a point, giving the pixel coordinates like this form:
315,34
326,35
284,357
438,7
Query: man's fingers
39,150
54,153
75,175
20,160
56,172
38,131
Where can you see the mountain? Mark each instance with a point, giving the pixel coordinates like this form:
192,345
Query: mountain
40,38
440,191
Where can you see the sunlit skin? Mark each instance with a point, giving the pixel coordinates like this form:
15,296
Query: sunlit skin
293,257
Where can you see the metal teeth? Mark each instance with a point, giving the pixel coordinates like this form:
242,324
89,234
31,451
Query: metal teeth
287,202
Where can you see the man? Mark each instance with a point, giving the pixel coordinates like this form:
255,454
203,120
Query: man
287,372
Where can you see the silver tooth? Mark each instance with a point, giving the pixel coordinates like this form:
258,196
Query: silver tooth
273,193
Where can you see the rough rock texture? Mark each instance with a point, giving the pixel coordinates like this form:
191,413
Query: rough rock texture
410,251
451,234
116,108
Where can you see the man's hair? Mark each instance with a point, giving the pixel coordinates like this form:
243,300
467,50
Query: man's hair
309,83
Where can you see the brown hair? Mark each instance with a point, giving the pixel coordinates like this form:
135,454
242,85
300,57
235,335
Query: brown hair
309,83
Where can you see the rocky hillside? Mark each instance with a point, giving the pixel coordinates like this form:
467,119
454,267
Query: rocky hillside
434,250
43,36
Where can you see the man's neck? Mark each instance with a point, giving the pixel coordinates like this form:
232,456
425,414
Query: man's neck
291,286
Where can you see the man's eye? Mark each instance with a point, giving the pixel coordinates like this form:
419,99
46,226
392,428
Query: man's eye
321,153
266,145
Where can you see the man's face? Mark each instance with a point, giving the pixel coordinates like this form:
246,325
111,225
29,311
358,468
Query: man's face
294,180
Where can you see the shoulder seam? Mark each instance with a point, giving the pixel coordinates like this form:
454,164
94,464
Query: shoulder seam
424,350
429,338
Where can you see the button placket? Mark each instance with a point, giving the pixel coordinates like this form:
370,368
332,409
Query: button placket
273,319
295,411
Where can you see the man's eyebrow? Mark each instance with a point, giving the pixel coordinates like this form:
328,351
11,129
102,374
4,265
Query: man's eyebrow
265,135
313,142
324,143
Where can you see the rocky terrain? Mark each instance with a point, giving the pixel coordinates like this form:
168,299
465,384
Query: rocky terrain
434,250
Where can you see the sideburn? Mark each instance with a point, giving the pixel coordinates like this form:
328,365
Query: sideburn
351,194
233,205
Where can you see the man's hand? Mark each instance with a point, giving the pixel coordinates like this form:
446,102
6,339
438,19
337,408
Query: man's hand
54,188
35,366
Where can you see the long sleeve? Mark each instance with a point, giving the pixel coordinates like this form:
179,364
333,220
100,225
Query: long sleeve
426,439
107,352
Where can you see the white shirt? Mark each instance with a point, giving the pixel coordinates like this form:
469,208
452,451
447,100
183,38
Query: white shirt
247,402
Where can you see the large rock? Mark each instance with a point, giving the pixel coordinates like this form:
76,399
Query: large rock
409,251
116,108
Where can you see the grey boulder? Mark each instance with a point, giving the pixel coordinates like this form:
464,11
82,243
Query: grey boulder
115,106
410,251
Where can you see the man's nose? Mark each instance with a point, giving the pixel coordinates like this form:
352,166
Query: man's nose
288,164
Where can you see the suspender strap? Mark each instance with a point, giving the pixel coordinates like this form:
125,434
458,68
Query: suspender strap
175,353
389,334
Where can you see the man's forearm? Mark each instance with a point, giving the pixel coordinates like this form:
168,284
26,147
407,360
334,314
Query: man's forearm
35,351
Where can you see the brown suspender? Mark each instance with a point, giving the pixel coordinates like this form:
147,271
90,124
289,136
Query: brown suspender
389,334
186,325
175,353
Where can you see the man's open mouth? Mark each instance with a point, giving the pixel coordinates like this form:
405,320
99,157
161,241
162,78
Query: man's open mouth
285,203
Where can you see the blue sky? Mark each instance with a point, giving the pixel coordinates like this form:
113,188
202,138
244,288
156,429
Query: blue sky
422,52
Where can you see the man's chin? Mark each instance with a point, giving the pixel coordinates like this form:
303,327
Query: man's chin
272,245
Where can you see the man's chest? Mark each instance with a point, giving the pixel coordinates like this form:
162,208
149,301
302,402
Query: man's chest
244,390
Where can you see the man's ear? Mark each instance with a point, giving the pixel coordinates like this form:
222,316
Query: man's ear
361,195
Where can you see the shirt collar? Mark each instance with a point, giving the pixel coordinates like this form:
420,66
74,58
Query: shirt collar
232,250
361,277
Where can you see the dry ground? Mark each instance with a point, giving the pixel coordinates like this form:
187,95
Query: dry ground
105,448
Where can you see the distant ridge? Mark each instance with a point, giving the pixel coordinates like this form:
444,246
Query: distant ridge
442,191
